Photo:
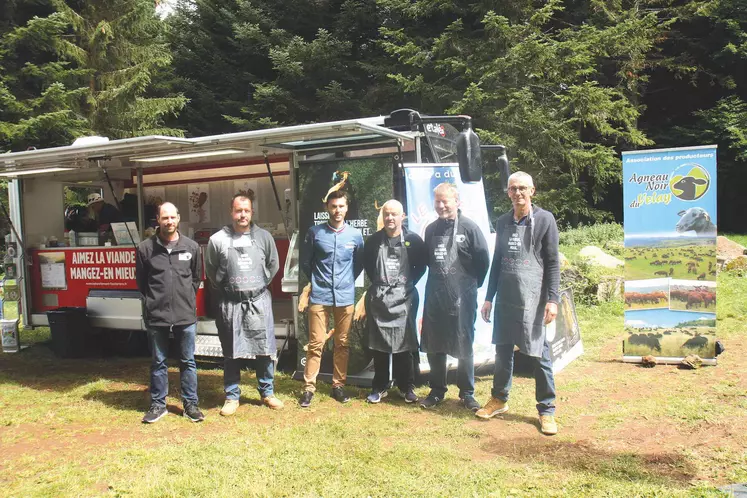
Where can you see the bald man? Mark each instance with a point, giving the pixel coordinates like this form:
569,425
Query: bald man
168,272
394,260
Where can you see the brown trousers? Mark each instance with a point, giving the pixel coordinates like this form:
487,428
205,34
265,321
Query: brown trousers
318,322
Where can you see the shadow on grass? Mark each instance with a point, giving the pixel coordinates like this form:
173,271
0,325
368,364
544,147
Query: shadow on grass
38,368
654,468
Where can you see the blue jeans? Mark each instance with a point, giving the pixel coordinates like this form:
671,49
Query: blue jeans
264,366
159,373
543,377
465,375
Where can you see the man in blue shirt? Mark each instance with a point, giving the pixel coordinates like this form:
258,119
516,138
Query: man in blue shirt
332,258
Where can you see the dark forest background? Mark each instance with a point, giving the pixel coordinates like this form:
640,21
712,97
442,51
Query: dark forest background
565,85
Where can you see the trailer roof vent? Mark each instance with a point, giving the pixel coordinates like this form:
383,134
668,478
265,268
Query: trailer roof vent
92,140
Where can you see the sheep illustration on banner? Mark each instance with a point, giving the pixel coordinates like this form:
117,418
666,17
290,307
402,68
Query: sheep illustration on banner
670,253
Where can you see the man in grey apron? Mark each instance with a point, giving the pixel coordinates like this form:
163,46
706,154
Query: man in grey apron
524,280
394,260
458,260
241,261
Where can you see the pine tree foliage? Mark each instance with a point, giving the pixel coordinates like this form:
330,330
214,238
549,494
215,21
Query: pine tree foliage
249,64
561,96
121,44
701,98
40,96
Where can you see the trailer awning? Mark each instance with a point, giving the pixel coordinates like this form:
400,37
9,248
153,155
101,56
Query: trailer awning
158,151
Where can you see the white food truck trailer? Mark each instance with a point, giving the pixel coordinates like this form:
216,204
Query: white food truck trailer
59,269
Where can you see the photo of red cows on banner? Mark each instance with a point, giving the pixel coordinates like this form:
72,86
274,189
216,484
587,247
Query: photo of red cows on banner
670,253
647,294
695,297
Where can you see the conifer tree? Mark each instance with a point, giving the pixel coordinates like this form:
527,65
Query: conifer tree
121,46
40,95
560,92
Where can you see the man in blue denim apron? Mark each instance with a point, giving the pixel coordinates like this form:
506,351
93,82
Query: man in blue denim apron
524,280
241,261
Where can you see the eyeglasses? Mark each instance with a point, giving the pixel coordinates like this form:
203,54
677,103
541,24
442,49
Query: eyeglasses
520,189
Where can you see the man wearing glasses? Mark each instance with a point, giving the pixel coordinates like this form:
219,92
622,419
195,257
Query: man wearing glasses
524,280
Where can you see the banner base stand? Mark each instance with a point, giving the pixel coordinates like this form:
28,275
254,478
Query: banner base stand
668,360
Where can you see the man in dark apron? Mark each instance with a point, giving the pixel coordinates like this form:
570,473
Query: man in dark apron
524,280
394,260
458,260
240,262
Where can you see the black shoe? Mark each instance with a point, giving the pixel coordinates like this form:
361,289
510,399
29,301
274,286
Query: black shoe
154,414
410,397
471,403
305,400
338,394
430,401
193,413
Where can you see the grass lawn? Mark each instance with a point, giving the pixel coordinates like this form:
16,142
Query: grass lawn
72,428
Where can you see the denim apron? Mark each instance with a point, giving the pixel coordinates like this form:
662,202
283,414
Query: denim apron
450,305
390,298
520,306
245,322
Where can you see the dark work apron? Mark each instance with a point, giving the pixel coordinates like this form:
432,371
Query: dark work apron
390,299
450,305
245,323
520,306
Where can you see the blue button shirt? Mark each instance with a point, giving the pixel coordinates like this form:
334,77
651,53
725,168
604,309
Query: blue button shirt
332,260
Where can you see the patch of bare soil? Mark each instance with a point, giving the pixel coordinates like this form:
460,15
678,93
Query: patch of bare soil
664,447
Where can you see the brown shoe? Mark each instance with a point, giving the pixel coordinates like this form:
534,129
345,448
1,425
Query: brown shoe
229,407
492,408
272,403
548,426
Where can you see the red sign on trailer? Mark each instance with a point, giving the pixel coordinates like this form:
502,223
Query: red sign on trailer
64,276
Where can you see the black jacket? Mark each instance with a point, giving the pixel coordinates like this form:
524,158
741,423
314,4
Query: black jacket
169,282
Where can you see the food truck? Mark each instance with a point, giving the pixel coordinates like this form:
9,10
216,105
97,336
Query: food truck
62,267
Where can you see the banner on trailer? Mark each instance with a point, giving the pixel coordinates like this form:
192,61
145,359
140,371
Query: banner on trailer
368,183
421,179
670,252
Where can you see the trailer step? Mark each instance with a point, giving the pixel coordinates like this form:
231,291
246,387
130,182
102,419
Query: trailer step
208,345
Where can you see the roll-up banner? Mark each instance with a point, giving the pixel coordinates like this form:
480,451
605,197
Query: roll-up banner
670,253
369,184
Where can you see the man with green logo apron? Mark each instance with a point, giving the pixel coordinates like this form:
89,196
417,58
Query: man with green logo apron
458,260
241,261
394,260
524,280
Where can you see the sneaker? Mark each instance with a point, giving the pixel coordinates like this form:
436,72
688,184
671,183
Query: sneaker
193,413
338,394
430,401
305,400
154,414
410,397
492,408
470,403
376,396
229,407
272,403
548,426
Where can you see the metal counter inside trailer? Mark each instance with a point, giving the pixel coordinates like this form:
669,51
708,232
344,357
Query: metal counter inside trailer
267,160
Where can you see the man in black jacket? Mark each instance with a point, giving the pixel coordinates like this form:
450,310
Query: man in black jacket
168,275
458,260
